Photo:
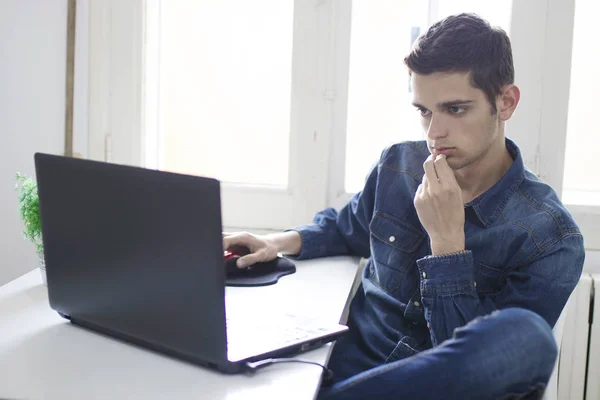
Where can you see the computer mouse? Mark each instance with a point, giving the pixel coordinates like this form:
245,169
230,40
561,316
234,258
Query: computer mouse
230,258
259,274
231,269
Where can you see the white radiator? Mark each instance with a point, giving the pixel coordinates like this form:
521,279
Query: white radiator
593,359
574,345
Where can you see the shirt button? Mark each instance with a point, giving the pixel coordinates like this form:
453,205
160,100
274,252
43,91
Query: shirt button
417,304
475,284
424,275
392,239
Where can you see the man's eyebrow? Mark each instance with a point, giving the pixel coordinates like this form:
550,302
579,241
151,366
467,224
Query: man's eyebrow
446,104
454,103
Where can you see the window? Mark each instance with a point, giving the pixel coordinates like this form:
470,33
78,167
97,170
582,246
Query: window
230,100
497,13
225,89
318,88
379,99
581,182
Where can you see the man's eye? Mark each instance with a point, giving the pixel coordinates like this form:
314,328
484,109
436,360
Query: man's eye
456,110
423,112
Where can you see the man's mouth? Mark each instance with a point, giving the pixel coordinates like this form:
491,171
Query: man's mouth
442,150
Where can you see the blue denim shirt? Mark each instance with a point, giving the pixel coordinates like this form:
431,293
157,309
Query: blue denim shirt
523,249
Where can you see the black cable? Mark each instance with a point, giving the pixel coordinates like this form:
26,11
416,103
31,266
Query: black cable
253,366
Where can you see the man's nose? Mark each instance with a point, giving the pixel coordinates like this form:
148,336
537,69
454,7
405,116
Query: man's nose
437,128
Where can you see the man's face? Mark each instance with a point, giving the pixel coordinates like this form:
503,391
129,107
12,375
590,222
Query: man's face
456,118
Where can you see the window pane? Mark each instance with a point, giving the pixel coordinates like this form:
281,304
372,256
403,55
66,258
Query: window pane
379,110
225,70
581,184
497,13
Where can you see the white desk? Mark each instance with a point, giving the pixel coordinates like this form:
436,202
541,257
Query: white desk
43,356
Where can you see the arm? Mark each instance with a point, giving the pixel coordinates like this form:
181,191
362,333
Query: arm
288,243
340,233
331,233
448,288
543,286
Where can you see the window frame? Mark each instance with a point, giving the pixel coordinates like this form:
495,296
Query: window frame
543,66
119,112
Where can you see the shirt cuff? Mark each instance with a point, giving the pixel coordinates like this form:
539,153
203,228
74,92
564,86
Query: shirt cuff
447,274
312,242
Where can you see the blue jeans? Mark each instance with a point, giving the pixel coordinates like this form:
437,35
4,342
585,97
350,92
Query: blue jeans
508,354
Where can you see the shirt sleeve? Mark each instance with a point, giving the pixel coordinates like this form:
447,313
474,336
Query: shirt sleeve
449,291
346,232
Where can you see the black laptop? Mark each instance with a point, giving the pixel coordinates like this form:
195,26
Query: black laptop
137,254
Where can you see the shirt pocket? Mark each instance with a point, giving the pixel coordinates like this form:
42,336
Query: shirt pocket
394,245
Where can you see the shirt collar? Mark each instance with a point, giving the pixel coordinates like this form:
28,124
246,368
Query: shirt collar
490,204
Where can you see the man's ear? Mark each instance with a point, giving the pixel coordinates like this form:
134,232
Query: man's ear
507,101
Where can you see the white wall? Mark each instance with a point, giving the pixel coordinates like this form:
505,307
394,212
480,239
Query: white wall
32,110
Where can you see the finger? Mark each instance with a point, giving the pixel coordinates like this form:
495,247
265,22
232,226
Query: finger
420,190
236,240
228,234
430,171
251,259
425,184
445,173
419,194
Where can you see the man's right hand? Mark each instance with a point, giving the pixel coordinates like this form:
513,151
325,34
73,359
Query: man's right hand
261,248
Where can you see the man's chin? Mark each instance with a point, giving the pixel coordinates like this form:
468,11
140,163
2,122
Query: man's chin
456,163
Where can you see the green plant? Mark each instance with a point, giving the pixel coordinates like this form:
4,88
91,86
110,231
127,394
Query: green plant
29,209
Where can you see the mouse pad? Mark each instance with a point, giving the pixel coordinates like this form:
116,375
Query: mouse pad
261,275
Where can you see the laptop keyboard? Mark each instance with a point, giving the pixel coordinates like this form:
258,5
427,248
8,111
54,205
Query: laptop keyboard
274,332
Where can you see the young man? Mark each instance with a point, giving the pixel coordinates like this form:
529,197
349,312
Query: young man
471,257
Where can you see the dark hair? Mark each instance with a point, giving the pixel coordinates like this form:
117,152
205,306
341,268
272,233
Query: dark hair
466,43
